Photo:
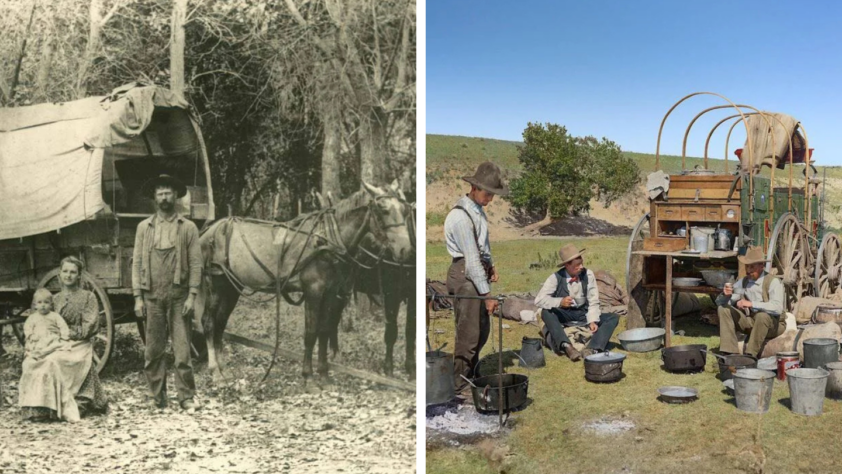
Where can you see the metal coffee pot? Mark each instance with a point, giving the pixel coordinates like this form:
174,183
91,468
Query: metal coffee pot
722,239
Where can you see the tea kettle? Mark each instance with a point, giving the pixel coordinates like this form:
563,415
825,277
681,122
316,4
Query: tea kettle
722,239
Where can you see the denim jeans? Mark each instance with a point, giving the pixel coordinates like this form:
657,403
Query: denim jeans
557,319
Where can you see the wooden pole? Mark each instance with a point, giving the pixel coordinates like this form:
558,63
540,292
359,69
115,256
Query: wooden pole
500,395
668,309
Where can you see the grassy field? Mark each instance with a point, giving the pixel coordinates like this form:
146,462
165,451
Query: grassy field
456,153
709,435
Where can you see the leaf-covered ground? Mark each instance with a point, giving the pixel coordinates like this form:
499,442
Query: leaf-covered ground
284,425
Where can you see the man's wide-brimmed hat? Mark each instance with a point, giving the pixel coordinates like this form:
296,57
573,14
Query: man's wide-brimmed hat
753,255
569,252
488,177
148,188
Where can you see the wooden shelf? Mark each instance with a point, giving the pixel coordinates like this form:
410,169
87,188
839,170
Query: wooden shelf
684,289
717,254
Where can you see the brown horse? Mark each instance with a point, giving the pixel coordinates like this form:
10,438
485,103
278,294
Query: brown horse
311,254
392,282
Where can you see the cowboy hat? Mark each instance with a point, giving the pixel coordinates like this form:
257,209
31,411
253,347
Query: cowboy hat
568,253
753,255
488,177
148,188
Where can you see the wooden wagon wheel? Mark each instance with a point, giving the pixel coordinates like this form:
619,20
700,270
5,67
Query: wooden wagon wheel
828,266
645,306
13,312
787,253
104,340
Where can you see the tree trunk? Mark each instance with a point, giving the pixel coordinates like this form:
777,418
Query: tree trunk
44,67
374,151
95,20
179,13
330,153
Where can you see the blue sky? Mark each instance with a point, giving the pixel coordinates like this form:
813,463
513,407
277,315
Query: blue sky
613,69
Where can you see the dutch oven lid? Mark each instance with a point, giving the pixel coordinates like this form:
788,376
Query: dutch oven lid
605,357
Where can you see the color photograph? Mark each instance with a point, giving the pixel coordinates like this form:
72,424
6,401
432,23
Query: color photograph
633,219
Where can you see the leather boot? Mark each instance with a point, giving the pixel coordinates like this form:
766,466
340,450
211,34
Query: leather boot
572,353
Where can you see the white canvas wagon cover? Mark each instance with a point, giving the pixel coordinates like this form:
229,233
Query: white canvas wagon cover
51,155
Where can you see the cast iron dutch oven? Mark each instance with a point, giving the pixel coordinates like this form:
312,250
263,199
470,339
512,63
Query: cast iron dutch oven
604,367
486,392
732,363
687,358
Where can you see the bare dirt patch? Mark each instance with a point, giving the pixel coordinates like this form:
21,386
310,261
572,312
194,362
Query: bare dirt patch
507,224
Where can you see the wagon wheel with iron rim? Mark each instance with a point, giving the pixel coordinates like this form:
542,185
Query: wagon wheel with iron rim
787,253
14,311
646,307
103,341
828,266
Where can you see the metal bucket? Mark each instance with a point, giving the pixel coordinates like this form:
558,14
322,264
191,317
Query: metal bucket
440,387
753,389
531,353
834,380
818,351
806,390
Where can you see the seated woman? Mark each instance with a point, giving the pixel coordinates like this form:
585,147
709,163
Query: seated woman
71,372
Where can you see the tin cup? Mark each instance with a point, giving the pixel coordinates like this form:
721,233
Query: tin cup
787,360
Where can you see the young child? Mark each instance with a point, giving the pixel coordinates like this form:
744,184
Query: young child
45,330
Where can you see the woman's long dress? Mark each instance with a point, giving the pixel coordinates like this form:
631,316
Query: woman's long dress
80,311
52,386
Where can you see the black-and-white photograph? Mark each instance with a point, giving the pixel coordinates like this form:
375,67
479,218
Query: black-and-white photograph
207,236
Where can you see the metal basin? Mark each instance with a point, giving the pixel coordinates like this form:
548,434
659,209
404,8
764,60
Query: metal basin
642,339
718,278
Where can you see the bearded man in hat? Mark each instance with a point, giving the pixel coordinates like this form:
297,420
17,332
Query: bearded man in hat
570,297
472,269
166,273
754,304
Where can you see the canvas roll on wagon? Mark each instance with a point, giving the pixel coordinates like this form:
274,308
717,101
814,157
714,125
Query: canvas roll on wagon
70,184
772,200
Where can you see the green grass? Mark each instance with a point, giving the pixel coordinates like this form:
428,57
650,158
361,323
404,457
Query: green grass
436,218
709,435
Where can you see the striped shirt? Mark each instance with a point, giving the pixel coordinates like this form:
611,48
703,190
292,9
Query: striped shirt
461,241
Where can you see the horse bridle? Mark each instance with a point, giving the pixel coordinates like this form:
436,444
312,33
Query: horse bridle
407,222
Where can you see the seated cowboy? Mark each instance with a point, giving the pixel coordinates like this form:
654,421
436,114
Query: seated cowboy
570,297
754,303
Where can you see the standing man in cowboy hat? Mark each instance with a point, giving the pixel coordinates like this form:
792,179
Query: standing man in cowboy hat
166,273
570,297
754,304
472,270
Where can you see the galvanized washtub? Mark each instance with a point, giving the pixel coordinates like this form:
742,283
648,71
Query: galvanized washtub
642,339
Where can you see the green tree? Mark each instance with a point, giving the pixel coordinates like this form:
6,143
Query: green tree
562,173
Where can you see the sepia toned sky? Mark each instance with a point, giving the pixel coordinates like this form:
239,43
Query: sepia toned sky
614,68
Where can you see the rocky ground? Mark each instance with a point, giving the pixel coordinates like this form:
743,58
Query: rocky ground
287,424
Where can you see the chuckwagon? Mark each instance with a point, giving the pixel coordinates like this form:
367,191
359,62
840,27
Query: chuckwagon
699,221
70,184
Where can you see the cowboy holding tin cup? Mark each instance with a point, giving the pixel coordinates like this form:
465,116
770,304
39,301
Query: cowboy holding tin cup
472,270
754,304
